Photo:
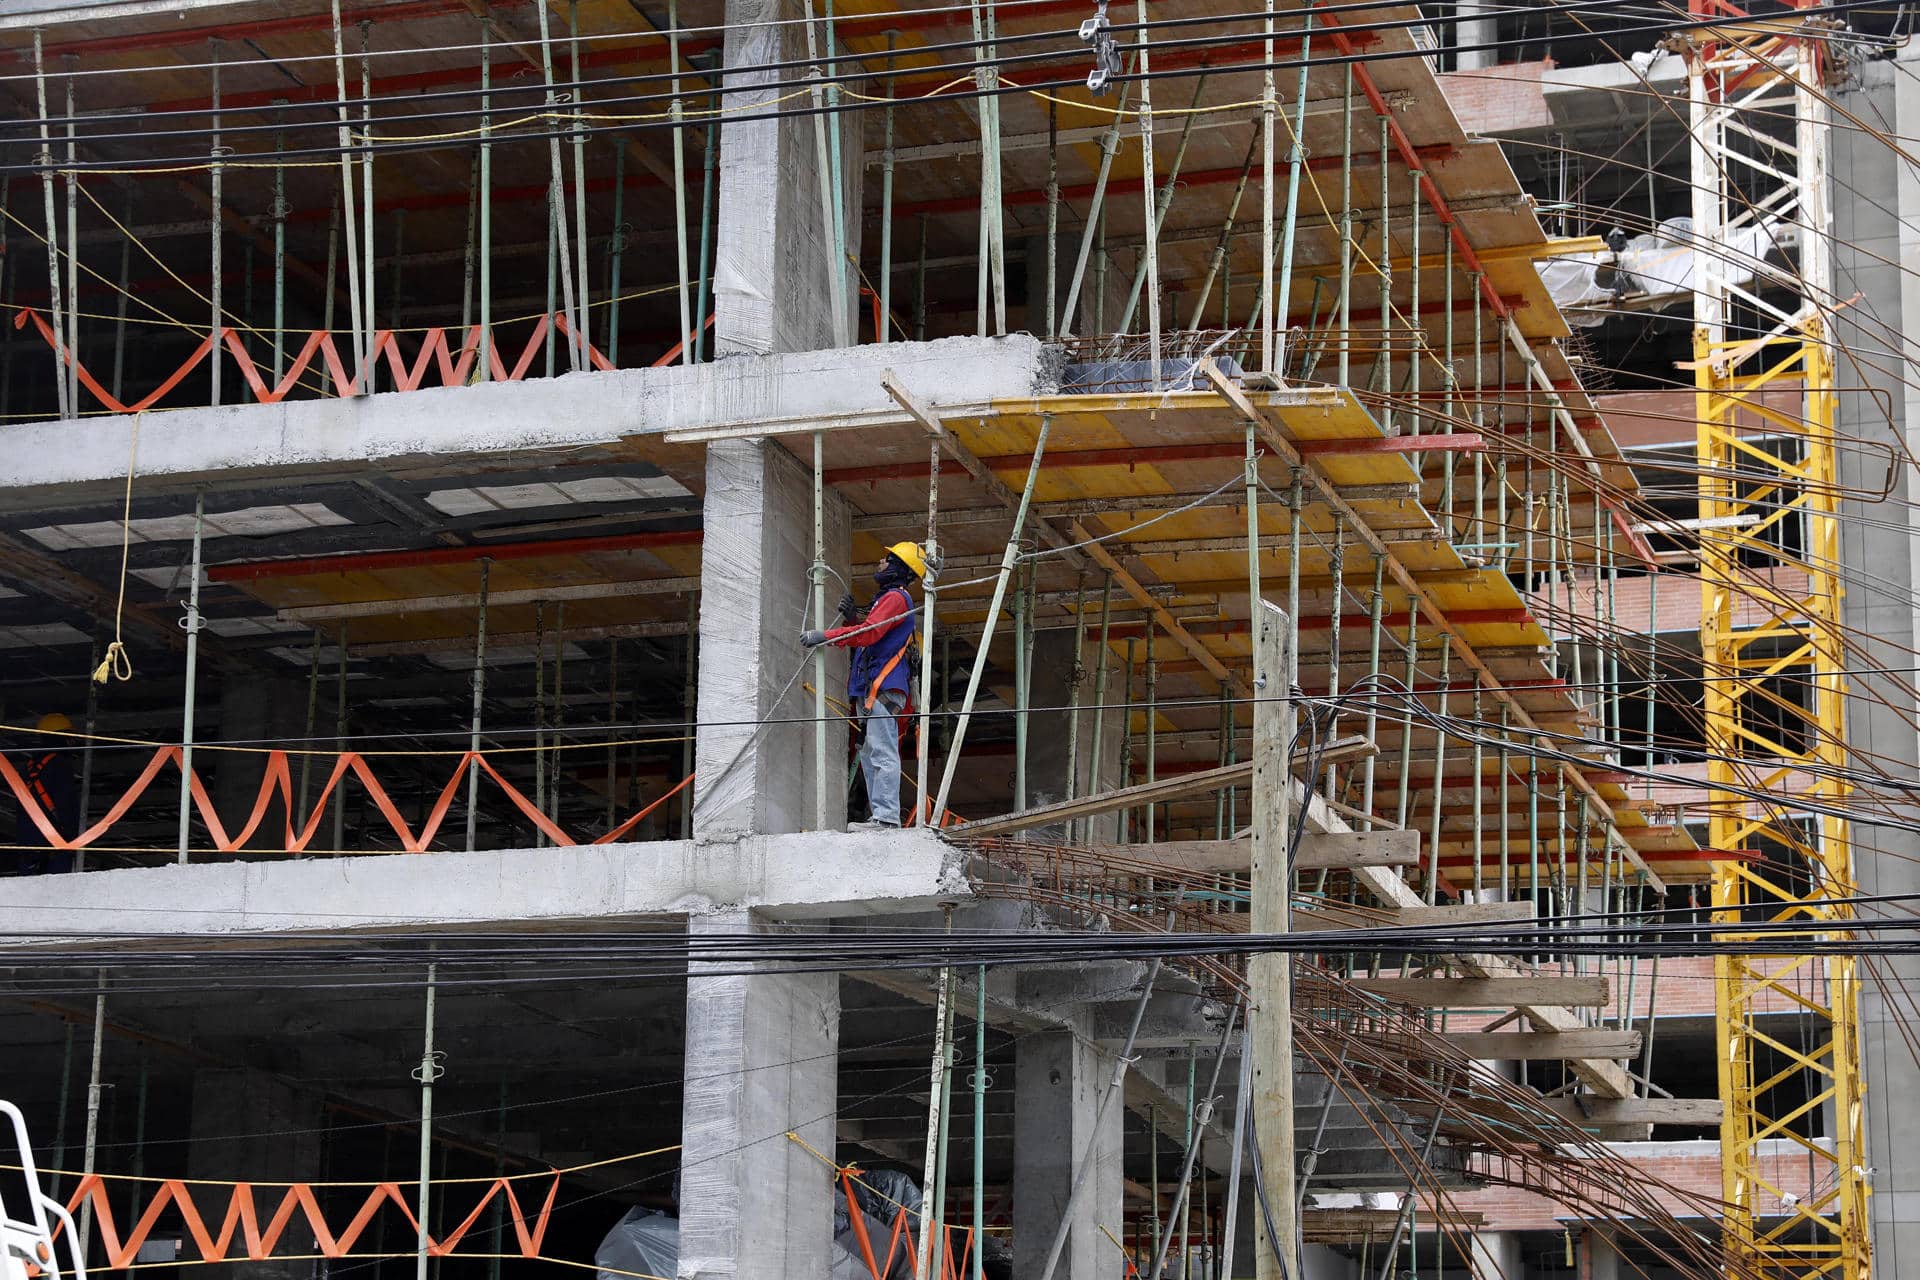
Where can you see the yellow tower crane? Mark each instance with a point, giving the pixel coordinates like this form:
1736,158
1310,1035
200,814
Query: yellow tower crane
1770,638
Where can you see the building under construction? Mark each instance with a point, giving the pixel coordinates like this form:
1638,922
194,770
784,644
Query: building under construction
1410,759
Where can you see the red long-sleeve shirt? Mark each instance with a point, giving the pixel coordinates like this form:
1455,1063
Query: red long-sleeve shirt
893,604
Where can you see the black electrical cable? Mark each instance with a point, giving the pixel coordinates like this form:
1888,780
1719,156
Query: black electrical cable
1260,1192
200,161
861,75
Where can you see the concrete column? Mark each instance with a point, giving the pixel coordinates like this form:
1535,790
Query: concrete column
1318,1262
232,1109
774,246
265,710
1058,1079
1876,202
1474,29
761,1061
754,598
1599,1260
1494,1255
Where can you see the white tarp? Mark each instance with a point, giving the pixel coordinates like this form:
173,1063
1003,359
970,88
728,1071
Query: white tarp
1588,287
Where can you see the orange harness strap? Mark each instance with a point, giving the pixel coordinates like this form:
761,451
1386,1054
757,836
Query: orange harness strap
40,791
873,690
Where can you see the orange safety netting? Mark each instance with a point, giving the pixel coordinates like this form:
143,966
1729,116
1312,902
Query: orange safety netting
243,1217
277,783
900,1244
436,353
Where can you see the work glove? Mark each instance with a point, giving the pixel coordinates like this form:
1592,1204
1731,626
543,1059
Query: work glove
812,639
849,608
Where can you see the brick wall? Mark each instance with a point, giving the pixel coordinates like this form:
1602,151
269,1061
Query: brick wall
1677,597
1499,99
1693,1167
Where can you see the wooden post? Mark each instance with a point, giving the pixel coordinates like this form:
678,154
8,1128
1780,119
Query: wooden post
1270,976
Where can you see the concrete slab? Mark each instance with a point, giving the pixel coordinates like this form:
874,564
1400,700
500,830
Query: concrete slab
800,876
89,457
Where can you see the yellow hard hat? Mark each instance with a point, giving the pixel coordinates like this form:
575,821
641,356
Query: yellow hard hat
54,722
910,555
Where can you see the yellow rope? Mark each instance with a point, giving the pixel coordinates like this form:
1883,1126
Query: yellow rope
116,665
438,1182
109,740
364,1257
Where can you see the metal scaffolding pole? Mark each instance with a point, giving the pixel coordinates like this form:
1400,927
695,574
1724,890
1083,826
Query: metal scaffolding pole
1269,110
1007,561
73,236
340,736
366,191
886,221
1076,679
583,292
355,311
1151,260
479,694
91,1150
1109,144
1094,743
192,627
818,574
979,1082
62,357
940,1072
559,249
484,198
1157,211
426,1073
923,744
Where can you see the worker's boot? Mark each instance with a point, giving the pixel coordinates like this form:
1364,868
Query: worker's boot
872,824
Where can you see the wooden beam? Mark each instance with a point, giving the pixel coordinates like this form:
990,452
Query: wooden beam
1467,915
1604,1077
1232,775
1611,1119
1317,852
1488,993
929,419
1530,1046
1174,788
920,413
1357,1226
1634,1111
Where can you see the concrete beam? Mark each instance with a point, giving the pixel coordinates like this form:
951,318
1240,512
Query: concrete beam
807,875
84,460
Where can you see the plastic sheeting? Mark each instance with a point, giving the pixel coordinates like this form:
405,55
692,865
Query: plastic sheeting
645,1242
1119,377
1589,286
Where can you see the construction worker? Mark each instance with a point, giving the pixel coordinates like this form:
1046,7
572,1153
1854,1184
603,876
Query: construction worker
53,785
880,678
